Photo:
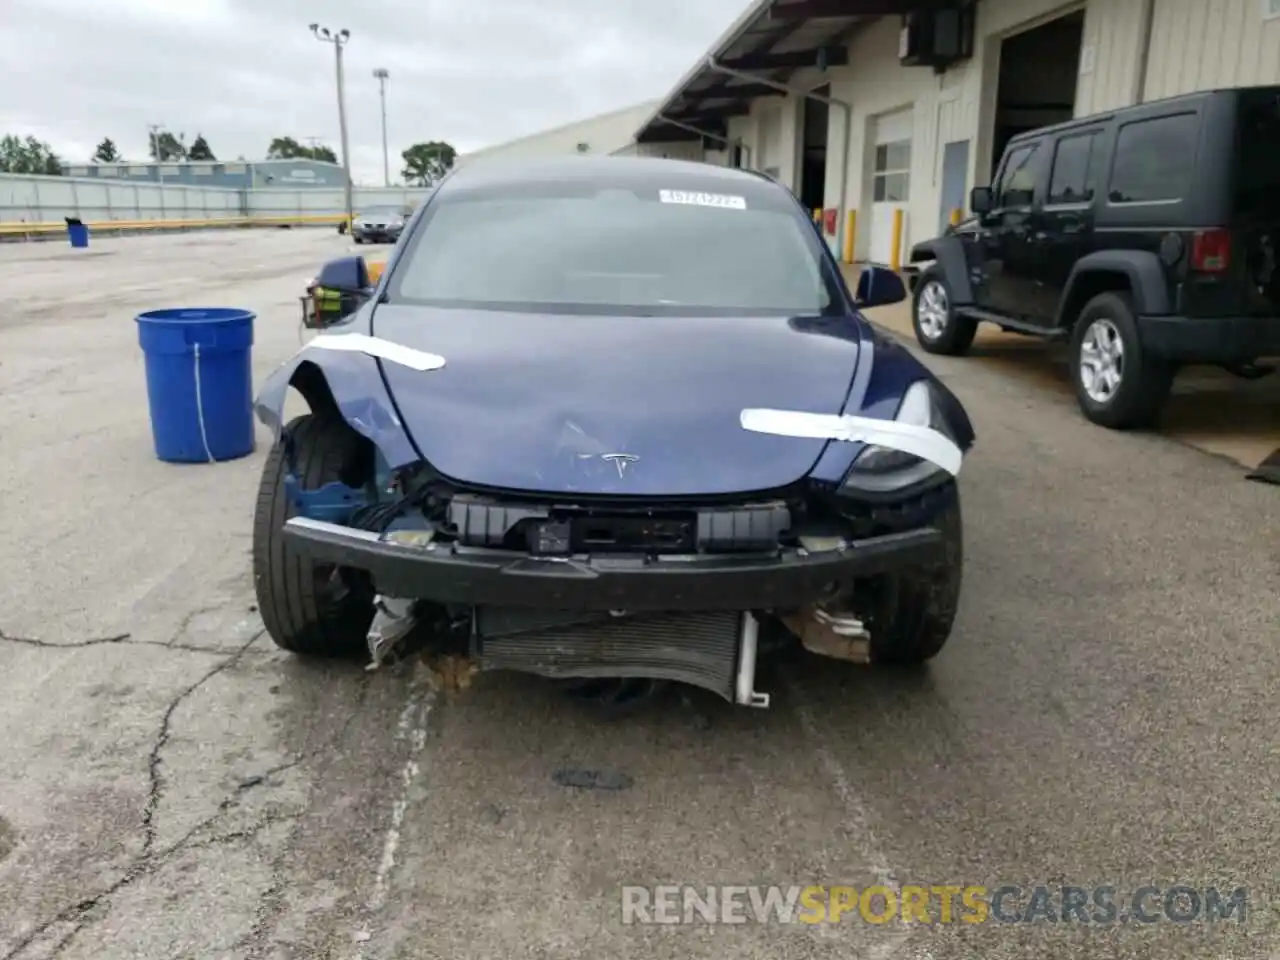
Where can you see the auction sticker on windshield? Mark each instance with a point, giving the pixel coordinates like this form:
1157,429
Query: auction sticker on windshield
723,200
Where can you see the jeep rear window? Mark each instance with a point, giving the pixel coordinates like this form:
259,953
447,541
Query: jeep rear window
1257,181
1154,159
618,251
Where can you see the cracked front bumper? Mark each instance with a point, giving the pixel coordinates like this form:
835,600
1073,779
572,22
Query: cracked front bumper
472,576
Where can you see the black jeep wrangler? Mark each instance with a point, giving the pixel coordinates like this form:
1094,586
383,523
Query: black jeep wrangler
1147,238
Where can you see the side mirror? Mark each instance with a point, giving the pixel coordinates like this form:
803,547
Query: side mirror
345,275
337,292
878,287
981,200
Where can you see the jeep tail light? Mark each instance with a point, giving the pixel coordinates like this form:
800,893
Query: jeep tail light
1211,251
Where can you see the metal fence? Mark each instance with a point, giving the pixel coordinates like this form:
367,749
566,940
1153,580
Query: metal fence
30,201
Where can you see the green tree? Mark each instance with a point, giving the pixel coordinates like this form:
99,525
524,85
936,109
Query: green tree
165,146
284,148
200,149
106,152
287,148
425,163
28,155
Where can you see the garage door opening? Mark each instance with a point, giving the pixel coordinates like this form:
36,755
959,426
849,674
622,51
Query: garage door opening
1038,73
813,162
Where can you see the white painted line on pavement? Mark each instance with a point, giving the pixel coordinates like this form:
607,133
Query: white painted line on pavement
858,823
412,726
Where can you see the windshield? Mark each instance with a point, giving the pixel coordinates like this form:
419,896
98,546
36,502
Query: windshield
618,251
382,213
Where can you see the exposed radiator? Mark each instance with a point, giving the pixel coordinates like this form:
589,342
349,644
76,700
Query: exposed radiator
695,648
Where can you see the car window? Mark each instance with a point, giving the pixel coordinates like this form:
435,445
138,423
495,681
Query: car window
1072,180
1154,159
616,251
1257,173
1018,180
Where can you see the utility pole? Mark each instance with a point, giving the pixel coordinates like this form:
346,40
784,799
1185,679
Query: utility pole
381,74
340,40
153,137
153,131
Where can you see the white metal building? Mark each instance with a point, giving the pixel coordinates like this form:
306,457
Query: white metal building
611,132
916,98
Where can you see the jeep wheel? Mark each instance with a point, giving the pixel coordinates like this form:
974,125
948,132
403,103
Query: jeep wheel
1117,384
938,328
311,609
914,609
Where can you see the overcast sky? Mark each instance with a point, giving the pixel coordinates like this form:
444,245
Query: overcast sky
472,72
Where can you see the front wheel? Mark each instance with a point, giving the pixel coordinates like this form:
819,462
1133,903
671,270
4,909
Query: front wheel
939,329
915,608
1118,384
311,609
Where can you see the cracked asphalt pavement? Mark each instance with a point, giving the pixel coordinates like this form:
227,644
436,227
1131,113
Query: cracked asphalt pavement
171,786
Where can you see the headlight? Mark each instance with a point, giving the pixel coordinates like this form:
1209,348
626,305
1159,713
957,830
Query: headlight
882,469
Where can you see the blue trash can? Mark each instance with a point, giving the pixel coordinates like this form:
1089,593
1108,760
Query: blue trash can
78,233
199,382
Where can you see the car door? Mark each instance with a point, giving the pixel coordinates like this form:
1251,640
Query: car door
1063,229
1009,260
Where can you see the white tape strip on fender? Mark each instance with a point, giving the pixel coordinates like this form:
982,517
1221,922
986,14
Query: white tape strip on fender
377,347
923,442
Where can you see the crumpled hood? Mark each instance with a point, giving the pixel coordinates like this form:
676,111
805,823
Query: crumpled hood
543,403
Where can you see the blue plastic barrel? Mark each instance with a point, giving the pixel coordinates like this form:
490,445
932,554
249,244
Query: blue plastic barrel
199,382
79,234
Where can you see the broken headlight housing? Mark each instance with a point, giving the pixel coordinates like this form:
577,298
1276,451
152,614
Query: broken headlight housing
881,470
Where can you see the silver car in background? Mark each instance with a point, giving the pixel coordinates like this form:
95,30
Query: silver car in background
378,225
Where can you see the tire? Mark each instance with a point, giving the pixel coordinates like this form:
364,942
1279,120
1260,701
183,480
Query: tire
1108,322
308,608
941,332
358,239
916,607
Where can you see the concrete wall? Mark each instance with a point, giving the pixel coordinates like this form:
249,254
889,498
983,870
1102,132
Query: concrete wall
48,199
1199,45
603,134
222,173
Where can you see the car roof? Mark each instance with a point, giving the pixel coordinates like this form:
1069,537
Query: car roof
1133,111
609,171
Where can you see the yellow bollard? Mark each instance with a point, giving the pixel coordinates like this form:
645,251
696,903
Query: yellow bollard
956,214
850,232
895,258
817,215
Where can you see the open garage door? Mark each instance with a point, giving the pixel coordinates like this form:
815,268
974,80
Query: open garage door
891,181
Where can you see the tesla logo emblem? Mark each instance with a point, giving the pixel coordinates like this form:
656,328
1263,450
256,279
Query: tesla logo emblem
620,460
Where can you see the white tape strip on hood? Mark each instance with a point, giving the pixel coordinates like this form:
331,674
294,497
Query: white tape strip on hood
923,442
377,347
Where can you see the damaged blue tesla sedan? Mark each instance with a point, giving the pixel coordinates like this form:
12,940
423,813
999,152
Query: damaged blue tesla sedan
611,418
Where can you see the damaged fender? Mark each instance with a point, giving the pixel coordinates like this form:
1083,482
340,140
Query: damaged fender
347,382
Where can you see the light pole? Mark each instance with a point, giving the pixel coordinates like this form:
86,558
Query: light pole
153,135
381,76
339,40
153,131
